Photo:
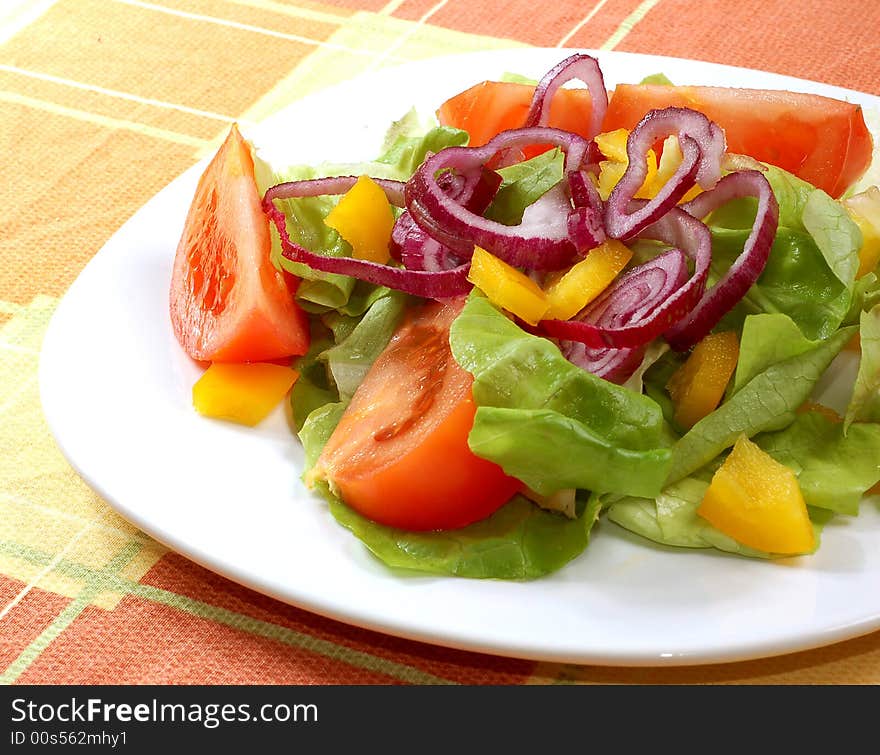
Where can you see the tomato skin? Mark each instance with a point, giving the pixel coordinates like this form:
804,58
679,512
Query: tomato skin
227,301
490,107
819,139
400,455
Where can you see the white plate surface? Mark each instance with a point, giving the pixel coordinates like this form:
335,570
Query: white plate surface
116,386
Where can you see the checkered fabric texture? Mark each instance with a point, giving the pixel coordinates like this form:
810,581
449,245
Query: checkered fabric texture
96,92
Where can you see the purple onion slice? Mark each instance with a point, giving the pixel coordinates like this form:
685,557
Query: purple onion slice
429,284
543,244
745,270
702,145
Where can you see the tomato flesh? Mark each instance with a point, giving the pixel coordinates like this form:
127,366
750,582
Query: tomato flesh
822,140
227,301
400,455
491,107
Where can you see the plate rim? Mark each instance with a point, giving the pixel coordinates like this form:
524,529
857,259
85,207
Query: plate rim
398,628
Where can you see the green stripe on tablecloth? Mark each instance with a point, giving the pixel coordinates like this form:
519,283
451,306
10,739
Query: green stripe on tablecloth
626,26
110,580
96,582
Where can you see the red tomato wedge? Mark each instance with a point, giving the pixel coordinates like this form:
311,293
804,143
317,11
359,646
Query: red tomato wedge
490,107
227,301
819,139
400,455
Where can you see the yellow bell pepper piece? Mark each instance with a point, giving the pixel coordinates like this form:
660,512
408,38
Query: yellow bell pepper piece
569,292
243,393
864,209
757,501
670,159
697,386
612,144
364,218
507,287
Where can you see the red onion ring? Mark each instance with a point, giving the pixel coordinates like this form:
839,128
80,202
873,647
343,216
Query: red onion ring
702,144
535,246
628,306
415,249
614,365
745,270
578,66
332,185
637,325
428,284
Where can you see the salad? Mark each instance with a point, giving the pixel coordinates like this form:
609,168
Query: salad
552,305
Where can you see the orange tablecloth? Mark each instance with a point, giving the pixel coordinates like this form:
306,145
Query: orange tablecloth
103,102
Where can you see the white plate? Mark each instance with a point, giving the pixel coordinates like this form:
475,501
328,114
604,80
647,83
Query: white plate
116,391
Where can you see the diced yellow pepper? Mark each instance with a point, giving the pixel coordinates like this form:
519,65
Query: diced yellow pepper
757,501
864,209
507,287
569,292
670,159
243,393
612,144
697,386
364,218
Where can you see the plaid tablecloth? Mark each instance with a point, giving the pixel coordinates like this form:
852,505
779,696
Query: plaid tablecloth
102,103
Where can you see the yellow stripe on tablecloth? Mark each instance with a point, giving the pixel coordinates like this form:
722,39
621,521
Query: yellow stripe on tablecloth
375,32
43,501
239,25
18,14
103,120
582,23
116,94
628,23
25,529
390,52
324,13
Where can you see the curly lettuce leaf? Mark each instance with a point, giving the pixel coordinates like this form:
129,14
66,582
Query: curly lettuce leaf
672,519
810,275
340,355
834,468
767,402
406,147
796,282
349,360
765,340
519,541
550,423
865,403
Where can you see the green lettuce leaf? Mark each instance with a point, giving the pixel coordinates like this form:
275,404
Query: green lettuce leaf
406,152
865,403
350,359
672,519
835,233
766,340
796,281
523,184
767,402
313,388
341,354
657,78
834,468
810,275
519,541
549,423
405,148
